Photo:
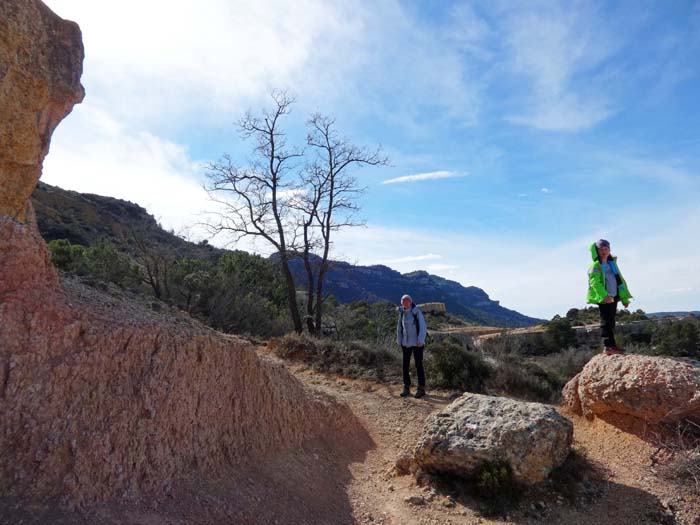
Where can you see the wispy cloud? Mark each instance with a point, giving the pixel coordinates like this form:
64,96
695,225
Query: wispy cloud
432,175
413,258
546,190
91,152
211,57
559,50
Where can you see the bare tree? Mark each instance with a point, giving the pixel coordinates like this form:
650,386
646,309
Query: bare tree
255,200
292,204
156,262
331,199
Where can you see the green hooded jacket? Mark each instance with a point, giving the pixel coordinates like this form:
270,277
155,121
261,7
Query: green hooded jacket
596,281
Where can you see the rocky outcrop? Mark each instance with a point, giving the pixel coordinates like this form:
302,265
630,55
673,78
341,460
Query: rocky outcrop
41,60
101,396
433,308
475,430
653,389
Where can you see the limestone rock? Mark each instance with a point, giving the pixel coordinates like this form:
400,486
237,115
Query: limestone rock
476,429
41,60
654,389
433,308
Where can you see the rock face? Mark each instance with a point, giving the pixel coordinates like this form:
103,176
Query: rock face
476,429
654,389
433,308
100,396
41,60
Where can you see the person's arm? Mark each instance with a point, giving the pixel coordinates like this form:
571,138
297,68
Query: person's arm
423,329
599,291
399,332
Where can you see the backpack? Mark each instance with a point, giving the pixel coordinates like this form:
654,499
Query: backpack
415,319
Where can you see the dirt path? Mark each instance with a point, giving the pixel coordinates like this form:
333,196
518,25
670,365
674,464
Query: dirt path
351,479
617,487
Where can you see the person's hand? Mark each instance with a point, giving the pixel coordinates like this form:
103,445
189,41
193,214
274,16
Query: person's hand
419,345
626,306
609,300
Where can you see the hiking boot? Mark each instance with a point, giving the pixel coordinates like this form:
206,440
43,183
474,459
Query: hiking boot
613,350
405,392
420,392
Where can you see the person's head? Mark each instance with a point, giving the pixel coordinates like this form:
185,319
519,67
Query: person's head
603,248
406,301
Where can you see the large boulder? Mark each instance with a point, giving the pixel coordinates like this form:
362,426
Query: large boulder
41,60
476,429
653,389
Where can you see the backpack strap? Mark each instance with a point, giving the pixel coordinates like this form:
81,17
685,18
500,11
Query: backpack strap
415,319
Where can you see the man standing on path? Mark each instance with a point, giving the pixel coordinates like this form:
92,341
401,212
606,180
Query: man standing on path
606,287
410,334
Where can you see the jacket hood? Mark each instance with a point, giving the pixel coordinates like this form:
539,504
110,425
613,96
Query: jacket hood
594,253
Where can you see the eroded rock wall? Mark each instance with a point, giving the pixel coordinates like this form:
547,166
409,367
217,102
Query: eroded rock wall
99,395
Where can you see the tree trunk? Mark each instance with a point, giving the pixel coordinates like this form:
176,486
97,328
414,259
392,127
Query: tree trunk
310,325
319,293
292,296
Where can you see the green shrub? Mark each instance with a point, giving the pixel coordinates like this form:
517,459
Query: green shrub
559,334
101,261
351,358
679,339
517,377
106,263
564,365
66,256
449,365
493,478
496,488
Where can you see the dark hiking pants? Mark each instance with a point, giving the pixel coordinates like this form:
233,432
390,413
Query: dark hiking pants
607,323
418,358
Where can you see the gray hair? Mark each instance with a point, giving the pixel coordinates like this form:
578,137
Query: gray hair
406,296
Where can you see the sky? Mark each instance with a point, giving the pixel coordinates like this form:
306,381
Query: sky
517,132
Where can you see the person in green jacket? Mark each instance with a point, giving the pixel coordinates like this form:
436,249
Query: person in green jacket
606,287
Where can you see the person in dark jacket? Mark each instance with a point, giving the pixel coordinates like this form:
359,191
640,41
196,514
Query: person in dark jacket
411,331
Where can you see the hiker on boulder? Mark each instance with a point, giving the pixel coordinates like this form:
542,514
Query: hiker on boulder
410,334
606,287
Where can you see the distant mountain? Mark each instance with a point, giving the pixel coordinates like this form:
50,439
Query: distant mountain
695,313
85,219
348,283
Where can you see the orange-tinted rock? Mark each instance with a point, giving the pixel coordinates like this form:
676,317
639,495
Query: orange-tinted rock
41,60
99,395
655,389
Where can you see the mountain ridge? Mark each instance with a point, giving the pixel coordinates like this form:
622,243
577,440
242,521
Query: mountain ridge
84,218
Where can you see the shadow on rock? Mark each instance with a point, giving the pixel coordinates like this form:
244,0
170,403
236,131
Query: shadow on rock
302,487
577,492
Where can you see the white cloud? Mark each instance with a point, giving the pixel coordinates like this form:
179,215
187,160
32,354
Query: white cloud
546,190
93,153
564,114
161,60
433,175
540,278
413,258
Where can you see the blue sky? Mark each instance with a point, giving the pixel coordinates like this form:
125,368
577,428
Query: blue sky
517,132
